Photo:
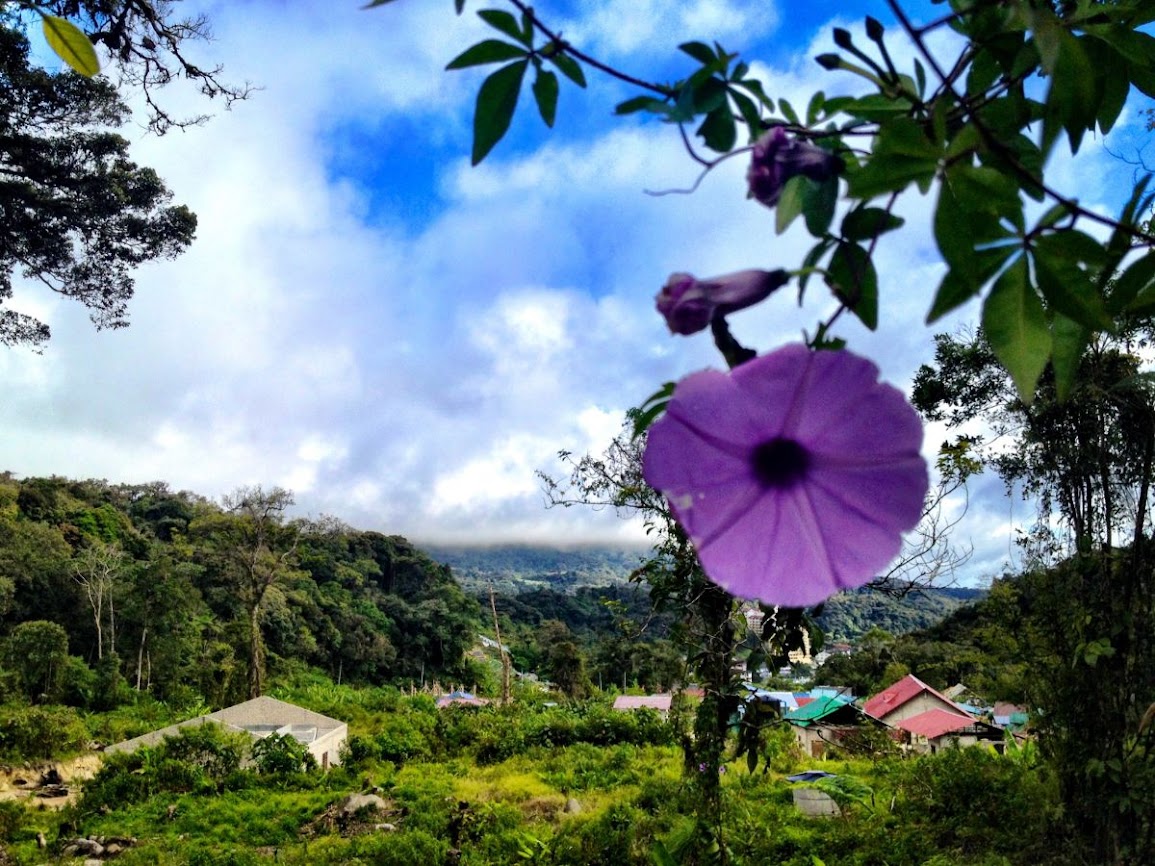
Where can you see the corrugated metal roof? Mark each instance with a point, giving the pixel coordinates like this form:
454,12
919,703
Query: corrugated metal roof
906,689
935,723
661,703
815,710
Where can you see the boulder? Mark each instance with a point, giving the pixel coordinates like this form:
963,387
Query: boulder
355,803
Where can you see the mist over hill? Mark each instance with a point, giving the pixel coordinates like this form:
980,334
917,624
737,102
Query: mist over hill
515,570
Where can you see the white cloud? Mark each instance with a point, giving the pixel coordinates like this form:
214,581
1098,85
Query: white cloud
633,27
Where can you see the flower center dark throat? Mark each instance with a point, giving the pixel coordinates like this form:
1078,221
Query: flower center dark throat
780,462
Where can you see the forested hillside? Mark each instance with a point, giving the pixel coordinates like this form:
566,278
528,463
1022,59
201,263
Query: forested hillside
108,587
984,645
105,587
849,615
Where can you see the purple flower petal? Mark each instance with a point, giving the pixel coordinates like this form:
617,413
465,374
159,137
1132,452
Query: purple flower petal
833,515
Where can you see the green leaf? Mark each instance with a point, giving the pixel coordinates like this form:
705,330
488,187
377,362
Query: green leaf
1134,290
641,103
877,107
507,24
706,95
545,92
811,262
569,67
700,51
1070,339
718,130
790,203
489,51
981,190
958,287
818,203
496,103
1071,102
1112,83
814,109
852,278
1068,288
867,223
651,408
71,45
788,112
749,111
885,173
1015,324
971,202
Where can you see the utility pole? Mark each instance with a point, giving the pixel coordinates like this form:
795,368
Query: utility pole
500,649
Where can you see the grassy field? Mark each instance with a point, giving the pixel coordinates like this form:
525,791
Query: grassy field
536,784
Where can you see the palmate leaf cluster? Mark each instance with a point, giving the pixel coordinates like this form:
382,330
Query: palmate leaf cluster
973,128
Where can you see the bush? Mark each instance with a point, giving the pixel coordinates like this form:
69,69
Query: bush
12,815
40,733
202,758
974,801
282,754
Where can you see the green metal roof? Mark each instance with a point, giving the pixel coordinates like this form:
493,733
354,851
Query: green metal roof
816,710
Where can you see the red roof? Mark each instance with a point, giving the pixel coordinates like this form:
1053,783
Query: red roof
661,703
935,723
803,700
908,688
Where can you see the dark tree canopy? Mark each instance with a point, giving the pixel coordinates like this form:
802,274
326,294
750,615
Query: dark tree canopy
76,214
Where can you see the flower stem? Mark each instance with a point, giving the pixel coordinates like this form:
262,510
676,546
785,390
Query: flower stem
733,351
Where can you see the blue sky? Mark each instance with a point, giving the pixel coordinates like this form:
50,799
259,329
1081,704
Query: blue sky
403,340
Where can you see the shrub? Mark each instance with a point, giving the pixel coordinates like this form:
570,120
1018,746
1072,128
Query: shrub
40,732
12,815
282,754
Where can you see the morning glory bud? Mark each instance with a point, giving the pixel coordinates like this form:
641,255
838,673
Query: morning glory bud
689,304
777,157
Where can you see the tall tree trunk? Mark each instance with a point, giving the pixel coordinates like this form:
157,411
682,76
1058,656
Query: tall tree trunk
256,653
140,656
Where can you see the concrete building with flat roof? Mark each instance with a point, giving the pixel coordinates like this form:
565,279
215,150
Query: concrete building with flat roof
258,718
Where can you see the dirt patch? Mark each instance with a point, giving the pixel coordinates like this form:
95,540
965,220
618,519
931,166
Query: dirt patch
53,784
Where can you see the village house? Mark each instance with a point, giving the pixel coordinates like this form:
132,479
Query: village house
259,718
938,729
908,698
825,722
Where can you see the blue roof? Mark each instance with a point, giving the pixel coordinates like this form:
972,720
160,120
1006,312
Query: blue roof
808,776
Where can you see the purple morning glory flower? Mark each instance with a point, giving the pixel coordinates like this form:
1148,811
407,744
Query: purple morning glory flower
689,304
777,157
794,475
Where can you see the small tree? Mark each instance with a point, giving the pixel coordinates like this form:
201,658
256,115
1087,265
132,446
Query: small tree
37,651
